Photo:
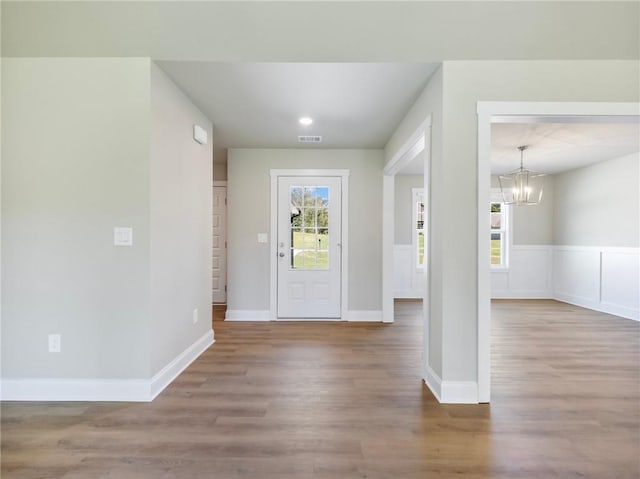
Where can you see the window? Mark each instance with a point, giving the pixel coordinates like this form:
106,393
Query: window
418,226
309,227
499,239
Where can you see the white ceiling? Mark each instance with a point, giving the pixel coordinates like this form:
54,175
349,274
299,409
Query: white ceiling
558,147
257,105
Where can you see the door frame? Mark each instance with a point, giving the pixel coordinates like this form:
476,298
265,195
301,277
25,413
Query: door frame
487,112
273,237
221,183
418,143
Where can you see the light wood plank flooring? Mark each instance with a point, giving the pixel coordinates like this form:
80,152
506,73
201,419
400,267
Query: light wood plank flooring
345,400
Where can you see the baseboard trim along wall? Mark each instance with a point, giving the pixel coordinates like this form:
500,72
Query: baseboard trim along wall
265,315
166,375
247,315
125,390
451,392
366,316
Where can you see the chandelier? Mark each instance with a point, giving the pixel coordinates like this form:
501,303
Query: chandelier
521,186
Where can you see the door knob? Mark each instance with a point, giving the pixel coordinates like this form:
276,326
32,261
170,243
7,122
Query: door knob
281,254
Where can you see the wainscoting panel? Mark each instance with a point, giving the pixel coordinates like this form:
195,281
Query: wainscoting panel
601,278
576,274
605,279
407,279
528,275
620,280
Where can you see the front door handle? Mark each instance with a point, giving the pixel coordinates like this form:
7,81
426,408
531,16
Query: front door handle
281,254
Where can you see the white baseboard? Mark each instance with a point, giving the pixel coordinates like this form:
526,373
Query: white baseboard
166,375
608,308
247,315
407,294
451,392
265,315
27,389
365,316
433,382
126,390
521,295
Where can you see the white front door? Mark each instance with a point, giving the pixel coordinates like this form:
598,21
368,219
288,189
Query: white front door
309,247
219,254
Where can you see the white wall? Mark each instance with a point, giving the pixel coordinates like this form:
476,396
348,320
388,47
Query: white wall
248,213
75,164
407,277
599,205
181,212
596,230
404,206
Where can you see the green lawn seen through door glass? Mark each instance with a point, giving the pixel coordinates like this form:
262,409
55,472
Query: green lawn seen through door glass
310,250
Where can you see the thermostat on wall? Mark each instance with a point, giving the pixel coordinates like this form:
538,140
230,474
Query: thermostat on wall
200,134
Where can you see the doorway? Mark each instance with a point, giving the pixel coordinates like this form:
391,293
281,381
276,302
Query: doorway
488,113
309,244
219,242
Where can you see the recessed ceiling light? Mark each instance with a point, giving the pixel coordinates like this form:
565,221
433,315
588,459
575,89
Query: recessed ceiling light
305,120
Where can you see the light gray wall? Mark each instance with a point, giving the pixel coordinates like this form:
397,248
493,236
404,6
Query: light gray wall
75,164
428,103
466,83
219,171
219,163
404,206
181,212
248,213
599,205
533,225
340,31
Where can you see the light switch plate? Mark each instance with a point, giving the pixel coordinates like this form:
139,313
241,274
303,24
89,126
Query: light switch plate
262,238
122,236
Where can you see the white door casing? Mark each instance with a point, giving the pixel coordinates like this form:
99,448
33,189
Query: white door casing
219,254
309,244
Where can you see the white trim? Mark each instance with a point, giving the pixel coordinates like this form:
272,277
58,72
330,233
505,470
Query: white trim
344,280
219,183
131,390
451,392
603,307
247,315
411,148
166,375
364,316
459,392
28,389
433,382
388,232
487,110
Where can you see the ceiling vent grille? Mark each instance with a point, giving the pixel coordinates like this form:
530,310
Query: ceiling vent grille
309,139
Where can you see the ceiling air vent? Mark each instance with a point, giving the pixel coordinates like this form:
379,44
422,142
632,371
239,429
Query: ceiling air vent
309,139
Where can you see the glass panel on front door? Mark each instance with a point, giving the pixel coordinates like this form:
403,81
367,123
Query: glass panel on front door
309,227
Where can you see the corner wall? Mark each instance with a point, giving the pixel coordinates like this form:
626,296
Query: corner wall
91,144
181,215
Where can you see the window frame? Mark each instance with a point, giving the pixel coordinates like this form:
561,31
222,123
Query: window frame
417,195
505,231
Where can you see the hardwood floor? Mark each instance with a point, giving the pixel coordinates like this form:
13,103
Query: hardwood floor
345,400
